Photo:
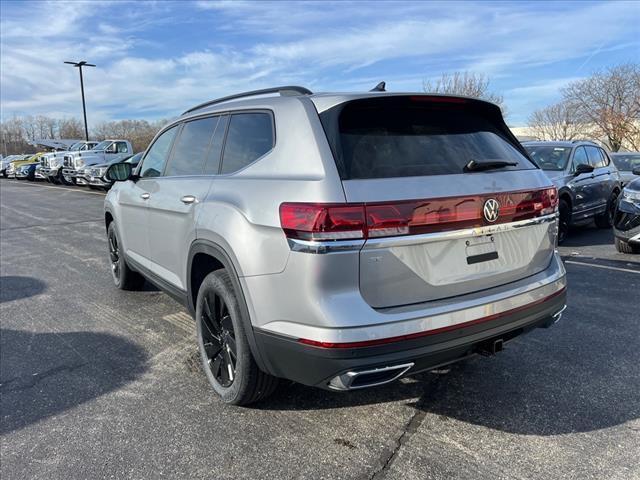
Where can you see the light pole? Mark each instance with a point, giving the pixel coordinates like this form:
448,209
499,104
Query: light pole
79,65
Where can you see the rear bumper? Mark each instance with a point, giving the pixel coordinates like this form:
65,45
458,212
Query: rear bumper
337,368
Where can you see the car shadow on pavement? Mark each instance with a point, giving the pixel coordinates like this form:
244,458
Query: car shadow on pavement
45,374
15,287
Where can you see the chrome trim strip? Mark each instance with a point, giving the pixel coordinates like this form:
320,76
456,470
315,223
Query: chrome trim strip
635,238
309,246
331,246
455,234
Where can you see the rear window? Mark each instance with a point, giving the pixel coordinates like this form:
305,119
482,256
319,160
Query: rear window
548,157
408,136
626,163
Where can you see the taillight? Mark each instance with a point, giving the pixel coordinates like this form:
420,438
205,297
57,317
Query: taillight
318,221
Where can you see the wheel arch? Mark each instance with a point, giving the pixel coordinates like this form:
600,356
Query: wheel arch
205,257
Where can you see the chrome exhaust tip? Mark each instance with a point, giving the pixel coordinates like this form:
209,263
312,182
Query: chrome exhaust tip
354,380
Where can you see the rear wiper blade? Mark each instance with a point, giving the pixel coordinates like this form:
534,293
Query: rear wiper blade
474,166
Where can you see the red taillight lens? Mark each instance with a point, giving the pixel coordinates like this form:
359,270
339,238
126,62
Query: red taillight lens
317,221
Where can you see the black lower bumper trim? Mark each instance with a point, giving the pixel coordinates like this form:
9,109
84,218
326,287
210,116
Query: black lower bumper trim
287,358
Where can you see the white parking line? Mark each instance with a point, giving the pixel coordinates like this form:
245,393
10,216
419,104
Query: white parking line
603,266
60,188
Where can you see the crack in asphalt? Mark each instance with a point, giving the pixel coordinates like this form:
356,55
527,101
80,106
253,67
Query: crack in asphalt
25,383
409,429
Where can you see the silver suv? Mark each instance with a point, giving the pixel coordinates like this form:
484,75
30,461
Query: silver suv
339,240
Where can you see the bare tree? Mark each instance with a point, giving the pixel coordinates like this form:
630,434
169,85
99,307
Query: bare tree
610,100
70,128
139,132
559,121
468,84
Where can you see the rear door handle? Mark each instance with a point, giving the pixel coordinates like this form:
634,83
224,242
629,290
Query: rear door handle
188,199
145,196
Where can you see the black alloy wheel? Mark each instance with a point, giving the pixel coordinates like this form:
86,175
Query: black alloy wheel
563,221
114,255
219,340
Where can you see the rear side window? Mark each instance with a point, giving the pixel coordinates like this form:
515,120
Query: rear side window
121,147
249,137
409,136
192,147
154,160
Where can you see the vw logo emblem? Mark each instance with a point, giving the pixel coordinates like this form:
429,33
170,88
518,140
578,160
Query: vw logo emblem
491,210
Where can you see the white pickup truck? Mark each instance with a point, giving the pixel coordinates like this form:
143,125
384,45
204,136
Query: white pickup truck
107,151
52,162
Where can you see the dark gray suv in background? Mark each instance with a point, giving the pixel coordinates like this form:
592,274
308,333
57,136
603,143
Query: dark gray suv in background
588,182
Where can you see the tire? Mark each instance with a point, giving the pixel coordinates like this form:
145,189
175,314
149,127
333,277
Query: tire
123,277
61,178
564,221
624,247
4,174
606,219
226,356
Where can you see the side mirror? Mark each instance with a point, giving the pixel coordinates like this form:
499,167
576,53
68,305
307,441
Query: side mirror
636,171
583,168
119,172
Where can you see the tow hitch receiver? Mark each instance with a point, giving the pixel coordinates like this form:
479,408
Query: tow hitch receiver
490,347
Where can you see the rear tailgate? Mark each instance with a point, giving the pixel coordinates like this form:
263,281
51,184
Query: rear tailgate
429,236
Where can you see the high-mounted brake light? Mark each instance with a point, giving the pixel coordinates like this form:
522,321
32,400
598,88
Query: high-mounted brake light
348,221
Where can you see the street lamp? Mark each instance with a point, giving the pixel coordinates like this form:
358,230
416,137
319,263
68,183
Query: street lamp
79,65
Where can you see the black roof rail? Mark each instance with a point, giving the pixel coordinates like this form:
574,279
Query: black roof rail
289,90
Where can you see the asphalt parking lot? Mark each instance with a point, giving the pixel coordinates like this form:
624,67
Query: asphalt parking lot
100,383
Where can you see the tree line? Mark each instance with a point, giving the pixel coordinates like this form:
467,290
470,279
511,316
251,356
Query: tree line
18,133
604,106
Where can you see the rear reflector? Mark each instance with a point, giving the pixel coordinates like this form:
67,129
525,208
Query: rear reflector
348,221
411,336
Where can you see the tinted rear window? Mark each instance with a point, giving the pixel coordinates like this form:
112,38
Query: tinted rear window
626,162
402,137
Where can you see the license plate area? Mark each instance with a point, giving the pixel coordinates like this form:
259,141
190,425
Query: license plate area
481,249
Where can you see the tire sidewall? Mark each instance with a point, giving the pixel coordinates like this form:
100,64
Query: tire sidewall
219,283
117,280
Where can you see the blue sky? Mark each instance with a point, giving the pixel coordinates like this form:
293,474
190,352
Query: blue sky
155,59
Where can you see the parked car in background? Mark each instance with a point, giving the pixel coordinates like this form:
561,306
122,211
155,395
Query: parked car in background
27,171
52,163
339,240
587,180
95,176
625,163
626,228
16,163
77,163
4,164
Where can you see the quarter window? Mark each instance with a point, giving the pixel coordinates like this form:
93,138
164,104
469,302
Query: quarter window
191,147
250,136
156,157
